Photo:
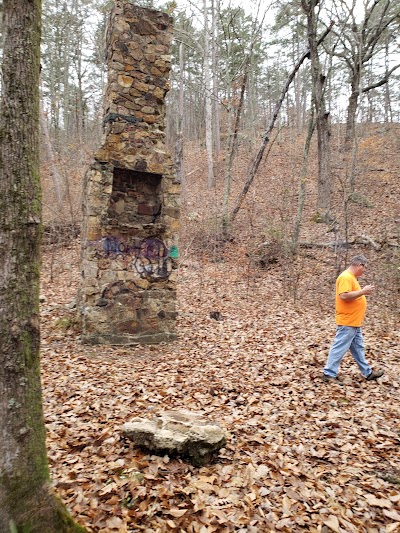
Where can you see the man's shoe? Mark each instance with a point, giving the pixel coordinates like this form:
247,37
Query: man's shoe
375,375
328,379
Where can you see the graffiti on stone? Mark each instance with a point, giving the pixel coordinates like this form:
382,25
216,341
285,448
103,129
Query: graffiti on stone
152,260
112,246
149,257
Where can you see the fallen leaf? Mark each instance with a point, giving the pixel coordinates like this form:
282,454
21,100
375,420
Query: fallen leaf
177,513
332,522
377,502
394,515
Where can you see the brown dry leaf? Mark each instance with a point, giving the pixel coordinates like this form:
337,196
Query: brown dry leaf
392,527
332,522
177,513
115,523
203,486
393,515
377,502
207,479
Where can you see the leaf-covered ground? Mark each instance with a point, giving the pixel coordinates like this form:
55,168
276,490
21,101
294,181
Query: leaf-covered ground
301,455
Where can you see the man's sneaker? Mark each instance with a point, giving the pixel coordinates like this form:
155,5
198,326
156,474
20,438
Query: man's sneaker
328,379
375,375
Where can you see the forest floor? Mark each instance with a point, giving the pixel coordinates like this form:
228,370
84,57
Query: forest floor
301,455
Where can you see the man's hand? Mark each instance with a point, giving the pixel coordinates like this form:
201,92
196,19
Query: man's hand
368,289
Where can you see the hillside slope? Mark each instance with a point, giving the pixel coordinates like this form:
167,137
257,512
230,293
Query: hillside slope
302,455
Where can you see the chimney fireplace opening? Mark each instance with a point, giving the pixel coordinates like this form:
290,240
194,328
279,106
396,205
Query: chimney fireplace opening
135,198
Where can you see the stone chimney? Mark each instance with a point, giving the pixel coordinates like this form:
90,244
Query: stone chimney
131,199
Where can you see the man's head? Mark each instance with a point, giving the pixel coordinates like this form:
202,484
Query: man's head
358,264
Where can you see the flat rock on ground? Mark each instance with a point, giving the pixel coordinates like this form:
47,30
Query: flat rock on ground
178,433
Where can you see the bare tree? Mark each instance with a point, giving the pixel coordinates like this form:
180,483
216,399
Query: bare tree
266,136
215,77
179,120
360,43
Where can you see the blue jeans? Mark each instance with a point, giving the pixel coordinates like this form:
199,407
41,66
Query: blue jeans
346,338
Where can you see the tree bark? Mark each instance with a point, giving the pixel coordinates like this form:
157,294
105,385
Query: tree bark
322,115
303,185
57,179
352,107
179,120
26,500
208,101
215,79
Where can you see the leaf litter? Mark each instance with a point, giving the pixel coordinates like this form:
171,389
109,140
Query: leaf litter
301,455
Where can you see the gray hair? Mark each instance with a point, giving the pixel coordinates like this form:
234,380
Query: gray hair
358,260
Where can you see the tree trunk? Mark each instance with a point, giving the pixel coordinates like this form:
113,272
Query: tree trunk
324,163
303,186
322,116
208,101
26,501
351,116
228,149
388,104
179,121
215,80
57,179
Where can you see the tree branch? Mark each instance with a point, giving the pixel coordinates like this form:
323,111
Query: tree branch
382,81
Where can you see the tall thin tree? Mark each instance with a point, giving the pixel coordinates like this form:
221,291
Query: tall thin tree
208,98
321,112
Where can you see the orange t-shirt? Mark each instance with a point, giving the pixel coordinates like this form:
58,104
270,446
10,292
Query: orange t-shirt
350,313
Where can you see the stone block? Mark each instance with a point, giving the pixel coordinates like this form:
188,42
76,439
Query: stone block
159,93
140,86
171,212
181,433
90,270
156,71
102,155
147,110
145,209
150,119
142,283
156,168
119,207
89,291
137,54
96,175
121,25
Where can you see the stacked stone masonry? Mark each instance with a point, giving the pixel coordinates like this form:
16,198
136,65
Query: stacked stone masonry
131,198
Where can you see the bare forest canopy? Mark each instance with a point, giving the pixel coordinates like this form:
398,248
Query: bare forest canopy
230,66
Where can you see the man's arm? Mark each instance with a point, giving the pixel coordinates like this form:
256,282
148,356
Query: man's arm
353,295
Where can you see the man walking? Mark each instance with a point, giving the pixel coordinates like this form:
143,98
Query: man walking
351,304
